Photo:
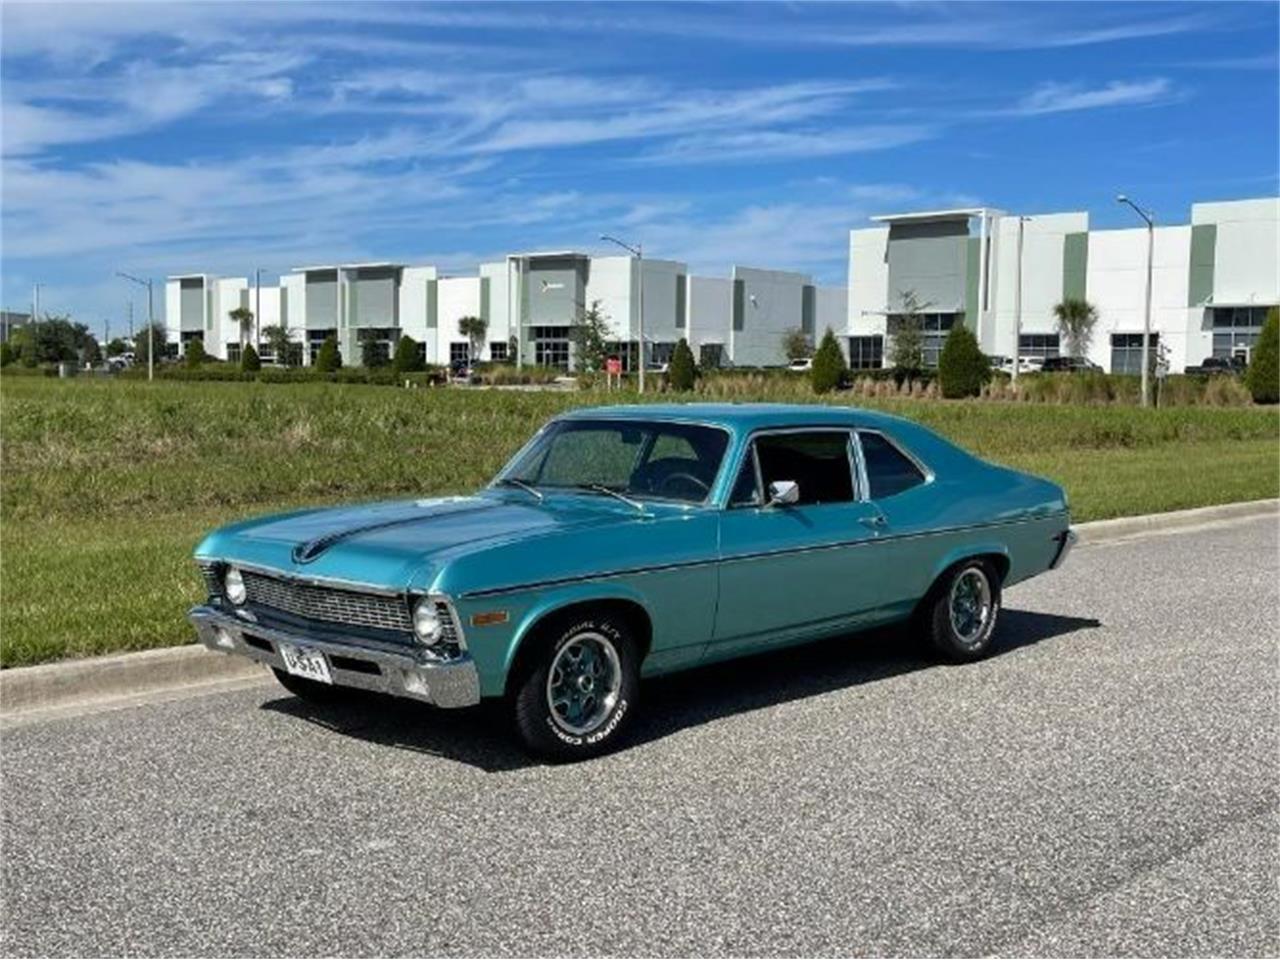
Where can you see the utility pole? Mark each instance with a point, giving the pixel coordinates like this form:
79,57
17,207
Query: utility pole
129,311
1017,304
257,311
151,323
1150,218
35,302
638,252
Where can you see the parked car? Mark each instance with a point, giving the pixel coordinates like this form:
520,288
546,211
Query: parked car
461,371
801,364
1217,366
1069,365
624,542
1003,364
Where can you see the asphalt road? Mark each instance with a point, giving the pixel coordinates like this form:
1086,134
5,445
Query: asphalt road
1106,784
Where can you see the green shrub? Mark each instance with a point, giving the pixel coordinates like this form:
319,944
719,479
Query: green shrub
962,367
1263,376
829,368
682,371
373,353
249,361
195,354
6,354
329,358
407,359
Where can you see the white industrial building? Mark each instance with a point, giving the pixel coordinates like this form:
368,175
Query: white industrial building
1212,281
529,301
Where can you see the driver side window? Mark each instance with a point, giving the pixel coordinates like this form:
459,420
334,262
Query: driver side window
817,460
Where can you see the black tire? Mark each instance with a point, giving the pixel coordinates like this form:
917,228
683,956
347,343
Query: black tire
946,637
313,691
546,731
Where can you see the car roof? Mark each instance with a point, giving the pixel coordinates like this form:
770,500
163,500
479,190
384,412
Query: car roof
740,417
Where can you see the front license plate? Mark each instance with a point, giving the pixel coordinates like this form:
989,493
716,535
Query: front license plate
305,662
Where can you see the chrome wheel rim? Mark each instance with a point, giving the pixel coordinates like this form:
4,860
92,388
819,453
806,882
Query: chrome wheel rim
583,683
972,609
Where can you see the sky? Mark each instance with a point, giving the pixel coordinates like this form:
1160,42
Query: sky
164,138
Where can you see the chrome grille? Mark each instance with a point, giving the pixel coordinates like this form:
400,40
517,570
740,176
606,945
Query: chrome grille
316,602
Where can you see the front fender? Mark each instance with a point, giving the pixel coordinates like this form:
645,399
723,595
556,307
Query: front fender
549,603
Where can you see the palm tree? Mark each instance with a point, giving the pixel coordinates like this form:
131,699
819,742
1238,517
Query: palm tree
1076,318
474,329
243,317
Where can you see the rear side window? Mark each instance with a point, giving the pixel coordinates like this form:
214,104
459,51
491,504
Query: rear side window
889,470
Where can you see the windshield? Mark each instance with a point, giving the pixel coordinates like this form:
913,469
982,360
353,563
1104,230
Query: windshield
644,460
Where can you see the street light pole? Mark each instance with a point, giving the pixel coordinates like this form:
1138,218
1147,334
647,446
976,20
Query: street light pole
1017,305
257,311
638,252
151,324
1150,218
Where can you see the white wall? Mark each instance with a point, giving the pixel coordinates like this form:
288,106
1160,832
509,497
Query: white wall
1117,280
458,297
610,280
772,305
1246,267
413,306
1043,240
499,301
226,297
172,312
868,281
710,312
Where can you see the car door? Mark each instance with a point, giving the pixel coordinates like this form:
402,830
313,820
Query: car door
794,571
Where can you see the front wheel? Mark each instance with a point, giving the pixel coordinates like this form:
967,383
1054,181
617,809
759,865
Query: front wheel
575,696
962,618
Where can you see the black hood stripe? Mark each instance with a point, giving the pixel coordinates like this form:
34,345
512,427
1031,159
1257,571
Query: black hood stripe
308,551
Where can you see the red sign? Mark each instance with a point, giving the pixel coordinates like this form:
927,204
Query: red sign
613,365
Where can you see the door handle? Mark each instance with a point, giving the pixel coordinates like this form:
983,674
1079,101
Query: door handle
875,521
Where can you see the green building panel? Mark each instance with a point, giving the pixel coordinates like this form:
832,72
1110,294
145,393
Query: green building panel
972,270
1204,242
1075,266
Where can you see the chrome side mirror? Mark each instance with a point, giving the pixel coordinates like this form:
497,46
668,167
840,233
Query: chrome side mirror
783,493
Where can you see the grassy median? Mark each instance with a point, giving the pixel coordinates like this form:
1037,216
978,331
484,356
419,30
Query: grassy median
107,486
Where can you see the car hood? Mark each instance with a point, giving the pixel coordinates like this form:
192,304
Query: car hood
388,544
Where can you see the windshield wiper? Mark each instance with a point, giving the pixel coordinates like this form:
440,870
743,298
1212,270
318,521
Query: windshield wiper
526,487
601,488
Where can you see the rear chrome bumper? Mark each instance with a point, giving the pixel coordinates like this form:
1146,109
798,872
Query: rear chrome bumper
1066,540
367,667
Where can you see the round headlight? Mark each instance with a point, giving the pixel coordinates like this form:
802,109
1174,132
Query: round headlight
425,622
233,584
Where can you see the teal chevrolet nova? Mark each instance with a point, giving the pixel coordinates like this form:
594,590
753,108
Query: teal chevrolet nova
624,542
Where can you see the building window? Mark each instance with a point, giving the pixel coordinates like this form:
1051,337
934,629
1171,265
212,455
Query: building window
866,353
711,356
315,340
1236,329
661,352
459,353
624,350
233,353
934,328
1126,352
1042,345
550,346
498,351
739,304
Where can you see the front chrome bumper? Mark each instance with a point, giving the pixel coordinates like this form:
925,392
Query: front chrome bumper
1066,540
367,667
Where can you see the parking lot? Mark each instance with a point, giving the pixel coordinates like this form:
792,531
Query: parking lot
1106,783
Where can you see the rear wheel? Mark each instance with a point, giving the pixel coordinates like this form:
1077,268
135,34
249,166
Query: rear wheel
962,617
575,696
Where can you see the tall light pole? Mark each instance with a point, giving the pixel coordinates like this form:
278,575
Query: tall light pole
638,252
1150,217
35,302
151,324
1017,305
257,311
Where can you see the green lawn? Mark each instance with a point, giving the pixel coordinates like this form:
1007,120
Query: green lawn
106,486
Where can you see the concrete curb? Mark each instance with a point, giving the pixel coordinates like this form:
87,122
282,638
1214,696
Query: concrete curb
101,679
1101,531
122,677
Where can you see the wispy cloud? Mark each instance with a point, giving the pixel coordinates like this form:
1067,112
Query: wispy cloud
764,145
1063,97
